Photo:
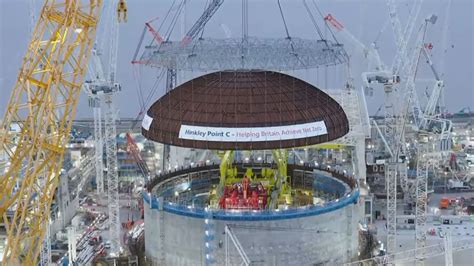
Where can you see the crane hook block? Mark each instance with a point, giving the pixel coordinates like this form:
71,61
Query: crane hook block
122,11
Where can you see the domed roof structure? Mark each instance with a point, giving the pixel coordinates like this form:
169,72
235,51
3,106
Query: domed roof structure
245,110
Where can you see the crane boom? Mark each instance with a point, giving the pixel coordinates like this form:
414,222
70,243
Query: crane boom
402,37
371,53
132,149
202,20
43,103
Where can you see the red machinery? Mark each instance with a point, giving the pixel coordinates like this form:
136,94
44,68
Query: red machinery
132,149
244,195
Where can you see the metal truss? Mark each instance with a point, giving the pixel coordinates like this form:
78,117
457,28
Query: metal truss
421,199
254,53
45,254
392,129
112,174
391,186
203,19
82,176
353,104
348,99
98,145
428,156
43,102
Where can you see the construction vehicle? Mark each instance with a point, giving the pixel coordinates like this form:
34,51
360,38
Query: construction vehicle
444,203
43,103
457,185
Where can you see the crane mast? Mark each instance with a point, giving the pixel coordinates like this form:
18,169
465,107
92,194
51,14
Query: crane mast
43,103
91,88
395,116
427,153
103,87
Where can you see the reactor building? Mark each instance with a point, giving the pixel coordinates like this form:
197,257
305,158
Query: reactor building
259,211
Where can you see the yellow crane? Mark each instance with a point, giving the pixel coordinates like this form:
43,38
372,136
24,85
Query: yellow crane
43,103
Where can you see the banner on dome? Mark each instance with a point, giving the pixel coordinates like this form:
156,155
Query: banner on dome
252,134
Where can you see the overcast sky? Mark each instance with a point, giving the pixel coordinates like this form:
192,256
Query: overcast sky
364,18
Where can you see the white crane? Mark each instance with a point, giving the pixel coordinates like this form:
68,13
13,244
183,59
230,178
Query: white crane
404,66
102,87
403,70
427,153
378,73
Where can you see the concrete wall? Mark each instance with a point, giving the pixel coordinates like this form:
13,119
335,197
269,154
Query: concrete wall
329,238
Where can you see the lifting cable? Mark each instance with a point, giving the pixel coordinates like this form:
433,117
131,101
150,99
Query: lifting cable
145,102
155,86
174,20
205,8
158,30
202,30
167,15
136,71
284,21
142,36
313,20
327,27
292,45
138,83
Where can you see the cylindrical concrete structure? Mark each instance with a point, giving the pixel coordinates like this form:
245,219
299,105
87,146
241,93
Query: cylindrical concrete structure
183,234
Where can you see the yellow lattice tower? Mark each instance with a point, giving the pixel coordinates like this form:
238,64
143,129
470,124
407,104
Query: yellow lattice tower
43,102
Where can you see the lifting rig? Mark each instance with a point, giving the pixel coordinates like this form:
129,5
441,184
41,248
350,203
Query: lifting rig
43,103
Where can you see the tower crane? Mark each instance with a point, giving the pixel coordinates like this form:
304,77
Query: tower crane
102,87
377,71
202,21
394,111
43,103
427,153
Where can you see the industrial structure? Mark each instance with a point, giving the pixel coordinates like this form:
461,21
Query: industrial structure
245,200
251,156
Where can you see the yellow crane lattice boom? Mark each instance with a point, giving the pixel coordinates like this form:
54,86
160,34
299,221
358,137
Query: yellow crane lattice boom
43,103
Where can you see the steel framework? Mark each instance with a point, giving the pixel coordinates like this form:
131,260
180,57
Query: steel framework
398,102
203,19
112,175
391,167
421,198
254,53
98,144
43,102
353,103
45,254
102,88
